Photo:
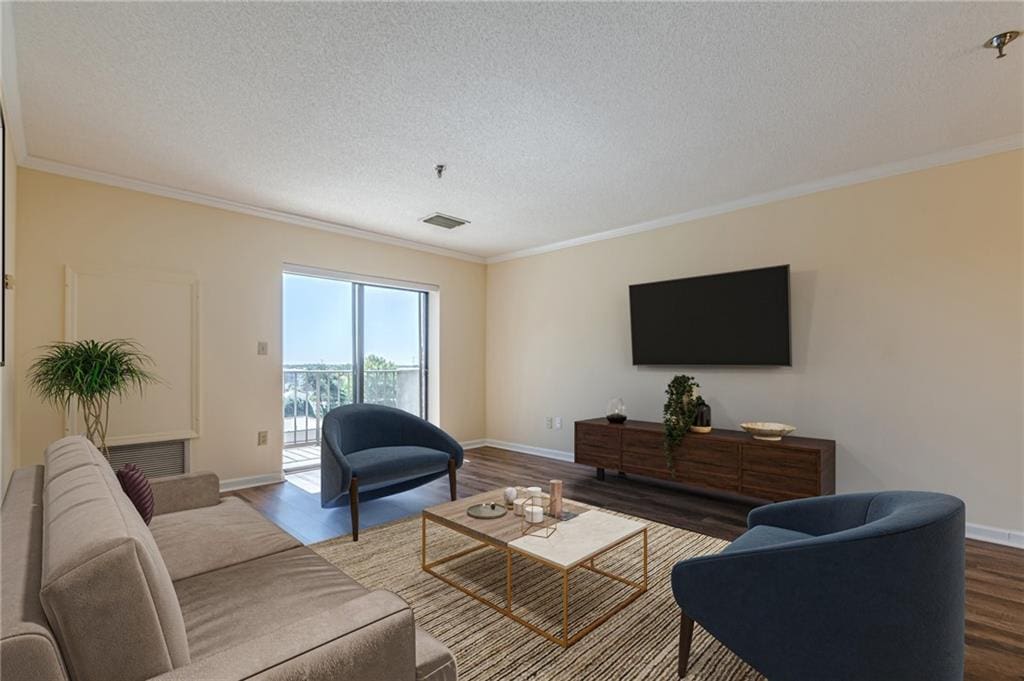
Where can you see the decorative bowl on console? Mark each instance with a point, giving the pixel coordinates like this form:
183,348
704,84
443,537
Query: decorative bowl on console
772,432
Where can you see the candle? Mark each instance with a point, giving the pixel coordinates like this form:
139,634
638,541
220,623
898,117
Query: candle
517,506
556,498
533,513
533,491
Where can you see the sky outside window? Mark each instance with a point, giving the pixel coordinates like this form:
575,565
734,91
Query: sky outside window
318,322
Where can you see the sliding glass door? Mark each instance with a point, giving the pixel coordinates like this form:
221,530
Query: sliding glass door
393,344
345,342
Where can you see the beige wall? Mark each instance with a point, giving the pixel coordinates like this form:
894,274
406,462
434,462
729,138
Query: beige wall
238,260
8,421
906,322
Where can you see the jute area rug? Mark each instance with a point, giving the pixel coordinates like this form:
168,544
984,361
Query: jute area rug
639,642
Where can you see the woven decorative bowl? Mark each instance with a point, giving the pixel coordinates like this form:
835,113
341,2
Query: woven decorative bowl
772,432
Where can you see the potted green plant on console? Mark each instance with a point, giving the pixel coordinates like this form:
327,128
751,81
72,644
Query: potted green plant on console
679,414
90,372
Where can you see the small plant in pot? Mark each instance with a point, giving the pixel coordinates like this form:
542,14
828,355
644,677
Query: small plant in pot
679,414
89,373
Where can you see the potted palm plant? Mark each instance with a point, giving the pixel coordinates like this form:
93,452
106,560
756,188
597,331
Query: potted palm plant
90,373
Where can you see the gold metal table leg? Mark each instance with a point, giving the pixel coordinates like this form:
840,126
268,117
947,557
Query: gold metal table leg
508,583
645,559
565,609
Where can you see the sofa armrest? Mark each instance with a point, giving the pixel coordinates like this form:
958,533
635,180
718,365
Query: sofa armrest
370,638
183,492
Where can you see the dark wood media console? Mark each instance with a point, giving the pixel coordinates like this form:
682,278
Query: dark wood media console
722,460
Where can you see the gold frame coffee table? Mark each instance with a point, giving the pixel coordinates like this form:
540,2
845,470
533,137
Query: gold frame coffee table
574,545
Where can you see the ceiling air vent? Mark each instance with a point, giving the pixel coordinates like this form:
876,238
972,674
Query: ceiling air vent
445,221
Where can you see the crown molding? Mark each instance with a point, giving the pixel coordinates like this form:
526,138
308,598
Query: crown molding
78,172
940,158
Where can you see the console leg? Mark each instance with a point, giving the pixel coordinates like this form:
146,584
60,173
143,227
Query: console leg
600,474
685,639
353,504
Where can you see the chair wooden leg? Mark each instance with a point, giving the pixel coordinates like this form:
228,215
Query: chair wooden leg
353,504
451,479
685,639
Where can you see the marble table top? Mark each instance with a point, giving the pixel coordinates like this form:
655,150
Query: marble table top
579,539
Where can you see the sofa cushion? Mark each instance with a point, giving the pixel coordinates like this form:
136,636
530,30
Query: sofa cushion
434,662
394,464
212,537
28,649
104,586
764,535
67,454
226,607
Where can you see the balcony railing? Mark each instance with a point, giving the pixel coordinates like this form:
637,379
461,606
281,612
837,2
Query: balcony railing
310,393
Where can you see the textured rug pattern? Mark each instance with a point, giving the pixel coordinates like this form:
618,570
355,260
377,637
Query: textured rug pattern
639,642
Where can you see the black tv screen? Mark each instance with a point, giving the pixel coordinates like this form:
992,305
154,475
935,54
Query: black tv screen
737,318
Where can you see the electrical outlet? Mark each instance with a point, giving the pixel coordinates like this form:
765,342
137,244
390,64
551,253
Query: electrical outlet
547,422
261,347
558,423
261,438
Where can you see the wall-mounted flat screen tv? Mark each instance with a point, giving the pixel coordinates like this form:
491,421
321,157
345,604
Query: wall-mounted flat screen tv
736,318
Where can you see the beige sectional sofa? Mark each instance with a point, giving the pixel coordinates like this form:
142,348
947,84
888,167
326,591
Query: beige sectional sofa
210,590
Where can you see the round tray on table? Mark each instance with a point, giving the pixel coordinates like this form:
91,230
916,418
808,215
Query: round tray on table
486,511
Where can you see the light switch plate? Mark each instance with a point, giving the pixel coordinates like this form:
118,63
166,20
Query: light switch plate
261,438
262,347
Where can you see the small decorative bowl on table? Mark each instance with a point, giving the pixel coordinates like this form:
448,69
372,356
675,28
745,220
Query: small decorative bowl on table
770,432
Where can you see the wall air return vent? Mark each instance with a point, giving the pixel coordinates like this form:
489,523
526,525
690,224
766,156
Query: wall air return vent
445,221
154,458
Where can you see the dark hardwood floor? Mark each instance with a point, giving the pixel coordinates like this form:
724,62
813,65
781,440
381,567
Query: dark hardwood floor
995,574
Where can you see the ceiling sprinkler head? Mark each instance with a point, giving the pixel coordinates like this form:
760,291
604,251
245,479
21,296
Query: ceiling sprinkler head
439,169
1000,41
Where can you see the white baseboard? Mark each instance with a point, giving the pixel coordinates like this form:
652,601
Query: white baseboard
528,449
251,481
473,444
996,535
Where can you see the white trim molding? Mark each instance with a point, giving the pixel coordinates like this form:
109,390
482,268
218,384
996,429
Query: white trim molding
251,481
321,273
473,444
996,535
556,454
188,431
940,158
80,173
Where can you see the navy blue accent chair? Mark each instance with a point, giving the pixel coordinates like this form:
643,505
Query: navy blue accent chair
368,451
853,587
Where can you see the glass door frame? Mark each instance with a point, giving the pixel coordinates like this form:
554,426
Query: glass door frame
359,282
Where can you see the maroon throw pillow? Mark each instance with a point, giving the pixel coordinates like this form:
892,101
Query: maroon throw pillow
138,489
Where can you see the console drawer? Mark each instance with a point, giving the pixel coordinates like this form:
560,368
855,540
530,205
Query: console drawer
643,441
781,461
599,457
758,484
595,435
706,475
715,453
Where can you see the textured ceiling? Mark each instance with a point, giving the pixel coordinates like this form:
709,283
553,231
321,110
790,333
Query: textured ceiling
556,121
